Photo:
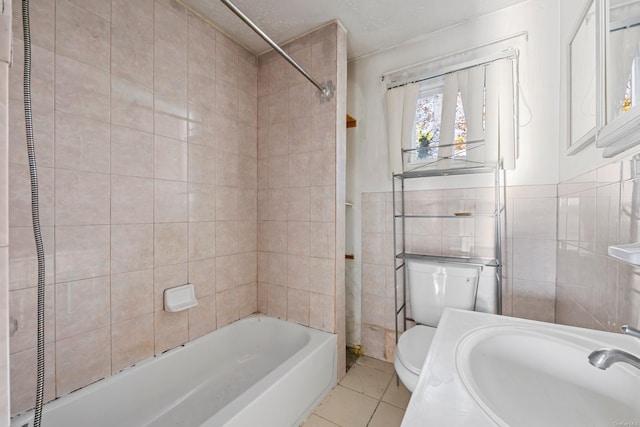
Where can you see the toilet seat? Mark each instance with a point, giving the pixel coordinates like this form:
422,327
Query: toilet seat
413,347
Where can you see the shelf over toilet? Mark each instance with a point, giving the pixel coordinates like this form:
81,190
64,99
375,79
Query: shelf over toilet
628,253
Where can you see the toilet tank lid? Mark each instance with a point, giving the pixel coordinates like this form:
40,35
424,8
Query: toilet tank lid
453,269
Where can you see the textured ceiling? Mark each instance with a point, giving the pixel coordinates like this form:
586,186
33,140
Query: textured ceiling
373,25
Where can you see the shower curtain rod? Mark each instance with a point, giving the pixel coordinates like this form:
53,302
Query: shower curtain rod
326,89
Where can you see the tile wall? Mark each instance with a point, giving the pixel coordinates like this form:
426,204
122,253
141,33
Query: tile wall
598,209
301,181
528,249
5,22
146,133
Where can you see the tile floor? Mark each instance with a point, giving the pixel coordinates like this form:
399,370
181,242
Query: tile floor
366,397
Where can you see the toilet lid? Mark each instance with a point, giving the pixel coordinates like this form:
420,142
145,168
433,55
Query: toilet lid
413,347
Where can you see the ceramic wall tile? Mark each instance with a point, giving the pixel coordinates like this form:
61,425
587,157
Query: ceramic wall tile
132,40
81,143
171,329
131,295
131,152
131,247
131,341
43,120
132,200
298,306
171,201
82,89
82,306
82,198
20,196
83,35
81,359
202,318
170,243
227,307
202,240
202,273
170,159
23,382
23,305
132,105
23,262
82,252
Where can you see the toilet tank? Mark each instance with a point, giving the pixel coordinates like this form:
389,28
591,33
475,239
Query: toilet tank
433,286
486,299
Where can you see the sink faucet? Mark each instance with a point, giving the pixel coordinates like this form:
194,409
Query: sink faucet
605,357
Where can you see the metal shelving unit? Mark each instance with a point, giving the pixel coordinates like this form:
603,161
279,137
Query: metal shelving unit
400,253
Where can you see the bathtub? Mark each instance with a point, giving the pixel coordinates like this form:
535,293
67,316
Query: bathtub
258,371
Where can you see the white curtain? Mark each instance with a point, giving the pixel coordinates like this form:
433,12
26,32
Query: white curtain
448,122
401,111
488,99
471,84
500,115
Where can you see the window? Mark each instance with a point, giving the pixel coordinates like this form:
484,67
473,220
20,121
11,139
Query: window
426,137
459,119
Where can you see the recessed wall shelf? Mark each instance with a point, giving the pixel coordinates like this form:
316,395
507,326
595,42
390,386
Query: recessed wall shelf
628,253
351,122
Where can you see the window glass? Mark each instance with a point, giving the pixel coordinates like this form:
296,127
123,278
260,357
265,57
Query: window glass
427,126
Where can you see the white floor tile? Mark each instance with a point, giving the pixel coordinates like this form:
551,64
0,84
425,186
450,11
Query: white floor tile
316,421
347,408
366,380
397,395
387,416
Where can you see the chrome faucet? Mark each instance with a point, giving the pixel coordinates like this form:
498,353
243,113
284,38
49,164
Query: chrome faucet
605,357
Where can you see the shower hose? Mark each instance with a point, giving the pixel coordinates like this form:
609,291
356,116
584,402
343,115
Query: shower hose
35,215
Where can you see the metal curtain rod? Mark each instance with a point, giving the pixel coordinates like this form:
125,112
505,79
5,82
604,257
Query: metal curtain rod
507,55
326,89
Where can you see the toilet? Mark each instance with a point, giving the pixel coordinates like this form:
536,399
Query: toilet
433,286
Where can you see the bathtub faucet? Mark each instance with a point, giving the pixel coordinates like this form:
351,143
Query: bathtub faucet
605,357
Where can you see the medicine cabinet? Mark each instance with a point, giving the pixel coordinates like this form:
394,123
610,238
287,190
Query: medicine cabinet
604,77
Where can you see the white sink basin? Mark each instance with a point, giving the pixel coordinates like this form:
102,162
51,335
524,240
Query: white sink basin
537,376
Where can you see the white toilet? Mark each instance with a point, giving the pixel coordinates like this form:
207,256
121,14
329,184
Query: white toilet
432,286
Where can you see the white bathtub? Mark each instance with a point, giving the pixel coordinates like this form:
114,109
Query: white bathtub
258,371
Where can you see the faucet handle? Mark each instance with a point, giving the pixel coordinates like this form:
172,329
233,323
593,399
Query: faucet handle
628,330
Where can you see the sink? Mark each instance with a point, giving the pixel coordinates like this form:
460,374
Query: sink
538,376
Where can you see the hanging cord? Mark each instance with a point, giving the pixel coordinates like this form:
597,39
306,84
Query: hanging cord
35,215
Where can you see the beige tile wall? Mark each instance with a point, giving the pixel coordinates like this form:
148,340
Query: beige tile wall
301,163
598,209
146,133
528,250
5,21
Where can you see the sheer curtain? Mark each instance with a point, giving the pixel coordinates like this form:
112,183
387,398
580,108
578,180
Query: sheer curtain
471,85
501,115
401,112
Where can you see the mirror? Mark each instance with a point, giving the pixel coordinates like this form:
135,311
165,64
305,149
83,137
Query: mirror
582,81
621,129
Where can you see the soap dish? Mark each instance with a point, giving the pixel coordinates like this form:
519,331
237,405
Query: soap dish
180,298
628,253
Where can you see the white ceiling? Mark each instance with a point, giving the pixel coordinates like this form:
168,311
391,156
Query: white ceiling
373,25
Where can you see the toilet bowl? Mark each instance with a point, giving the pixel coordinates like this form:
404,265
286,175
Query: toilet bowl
433,286
411,352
